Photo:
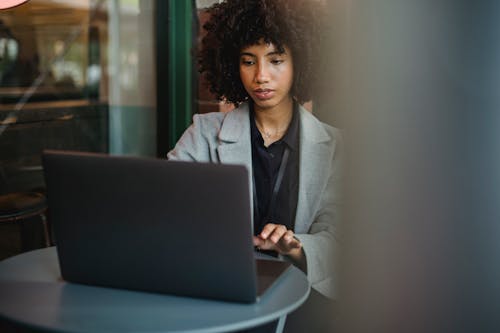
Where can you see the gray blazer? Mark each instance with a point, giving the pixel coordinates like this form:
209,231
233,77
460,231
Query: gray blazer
225,138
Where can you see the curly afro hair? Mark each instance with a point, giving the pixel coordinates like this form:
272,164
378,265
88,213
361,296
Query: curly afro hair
236,24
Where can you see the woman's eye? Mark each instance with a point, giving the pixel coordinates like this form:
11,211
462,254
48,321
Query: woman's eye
247,62
277,61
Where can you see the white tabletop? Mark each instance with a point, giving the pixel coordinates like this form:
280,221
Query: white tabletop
34,295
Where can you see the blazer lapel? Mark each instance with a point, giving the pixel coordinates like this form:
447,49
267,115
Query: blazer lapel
314,165
234,138
234,142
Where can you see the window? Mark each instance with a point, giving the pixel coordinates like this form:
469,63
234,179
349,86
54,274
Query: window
75,75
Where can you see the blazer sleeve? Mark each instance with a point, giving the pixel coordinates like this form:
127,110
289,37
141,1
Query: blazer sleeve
321,242
200,141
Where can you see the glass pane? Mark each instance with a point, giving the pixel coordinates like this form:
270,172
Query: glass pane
74,75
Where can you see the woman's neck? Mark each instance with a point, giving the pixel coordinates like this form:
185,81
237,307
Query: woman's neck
273,123
275,117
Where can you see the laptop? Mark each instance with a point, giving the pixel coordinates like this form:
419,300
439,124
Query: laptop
153,225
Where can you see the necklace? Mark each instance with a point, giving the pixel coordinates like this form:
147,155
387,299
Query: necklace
271,134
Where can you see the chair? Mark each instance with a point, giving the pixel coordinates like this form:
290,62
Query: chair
18,206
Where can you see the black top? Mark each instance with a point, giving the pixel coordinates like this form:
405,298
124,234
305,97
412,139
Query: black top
266,163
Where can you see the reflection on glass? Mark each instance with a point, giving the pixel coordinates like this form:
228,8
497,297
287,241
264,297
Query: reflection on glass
55,76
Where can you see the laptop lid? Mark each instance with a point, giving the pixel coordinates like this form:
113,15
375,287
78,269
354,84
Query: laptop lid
152,225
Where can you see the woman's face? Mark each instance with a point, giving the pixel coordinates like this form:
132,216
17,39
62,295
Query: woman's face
267,74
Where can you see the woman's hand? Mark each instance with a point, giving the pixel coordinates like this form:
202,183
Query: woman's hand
276,237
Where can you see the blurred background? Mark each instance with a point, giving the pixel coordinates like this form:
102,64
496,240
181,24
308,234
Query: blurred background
415,86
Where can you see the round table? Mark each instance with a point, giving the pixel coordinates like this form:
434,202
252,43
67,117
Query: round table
34,296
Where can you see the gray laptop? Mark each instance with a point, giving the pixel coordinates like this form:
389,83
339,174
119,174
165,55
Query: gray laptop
154,225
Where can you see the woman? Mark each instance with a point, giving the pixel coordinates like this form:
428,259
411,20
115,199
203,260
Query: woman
261,56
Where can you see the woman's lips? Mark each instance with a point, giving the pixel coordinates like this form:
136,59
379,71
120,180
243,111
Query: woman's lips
263,93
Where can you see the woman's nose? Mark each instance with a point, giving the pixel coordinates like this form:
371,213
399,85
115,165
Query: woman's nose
262,75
